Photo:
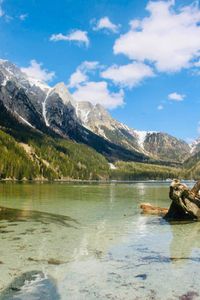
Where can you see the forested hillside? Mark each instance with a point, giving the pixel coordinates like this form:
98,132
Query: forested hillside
48,158
140,171
35,156
192,165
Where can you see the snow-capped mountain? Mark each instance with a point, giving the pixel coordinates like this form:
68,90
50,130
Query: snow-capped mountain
30,93
98,120
53,109
155,144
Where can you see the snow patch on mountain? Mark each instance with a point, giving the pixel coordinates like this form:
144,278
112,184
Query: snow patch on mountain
24,120
83,109
84,115
44,111
62,91
141,137
194,145
42,85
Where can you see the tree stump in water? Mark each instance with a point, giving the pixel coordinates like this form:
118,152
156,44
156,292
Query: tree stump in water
185,203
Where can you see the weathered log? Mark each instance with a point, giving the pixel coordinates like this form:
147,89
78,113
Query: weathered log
149,209
185,203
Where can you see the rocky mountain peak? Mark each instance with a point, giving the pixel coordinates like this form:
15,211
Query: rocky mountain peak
61,89
163,145
93,115
11,72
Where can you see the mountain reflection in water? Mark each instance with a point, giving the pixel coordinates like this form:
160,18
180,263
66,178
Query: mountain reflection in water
185,239
21,215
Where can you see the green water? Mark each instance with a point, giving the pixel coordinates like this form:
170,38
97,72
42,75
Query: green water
91,242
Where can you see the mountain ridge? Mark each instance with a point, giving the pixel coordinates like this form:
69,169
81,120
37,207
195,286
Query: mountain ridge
28,103
53,108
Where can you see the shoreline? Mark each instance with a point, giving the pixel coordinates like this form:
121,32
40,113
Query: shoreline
88,181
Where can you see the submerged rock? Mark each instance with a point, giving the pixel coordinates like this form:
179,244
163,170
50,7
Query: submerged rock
33,285
50,261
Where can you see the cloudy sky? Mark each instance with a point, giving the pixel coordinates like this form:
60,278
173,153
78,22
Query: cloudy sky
140,59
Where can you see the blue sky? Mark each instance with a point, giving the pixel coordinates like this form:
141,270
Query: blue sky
139,59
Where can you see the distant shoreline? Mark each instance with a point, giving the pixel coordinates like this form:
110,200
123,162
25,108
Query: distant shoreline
88,181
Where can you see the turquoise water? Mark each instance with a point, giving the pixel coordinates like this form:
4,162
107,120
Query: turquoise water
89,241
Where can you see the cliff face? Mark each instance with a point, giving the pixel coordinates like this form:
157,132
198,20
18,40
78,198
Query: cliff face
98,120
165,146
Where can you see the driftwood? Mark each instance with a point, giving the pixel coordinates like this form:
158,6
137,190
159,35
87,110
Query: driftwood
185,203
149,209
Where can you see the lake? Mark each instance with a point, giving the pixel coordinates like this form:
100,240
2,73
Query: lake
89,241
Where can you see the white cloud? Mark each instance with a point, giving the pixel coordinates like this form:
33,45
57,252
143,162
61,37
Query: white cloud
36,71
80,75
75,36
128,75
92,91
197,64
98,92
2,13
176,96
89,65
76,78
105,23
198,127
7,18
23,17
170,39
160,107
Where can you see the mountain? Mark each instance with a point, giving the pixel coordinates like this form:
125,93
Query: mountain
162,146
99,121
53,112
157,145
31,154
192,164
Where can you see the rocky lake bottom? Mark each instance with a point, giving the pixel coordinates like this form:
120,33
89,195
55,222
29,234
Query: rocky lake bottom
89,241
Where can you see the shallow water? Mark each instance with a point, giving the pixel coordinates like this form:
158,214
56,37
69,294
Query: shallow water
89,241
